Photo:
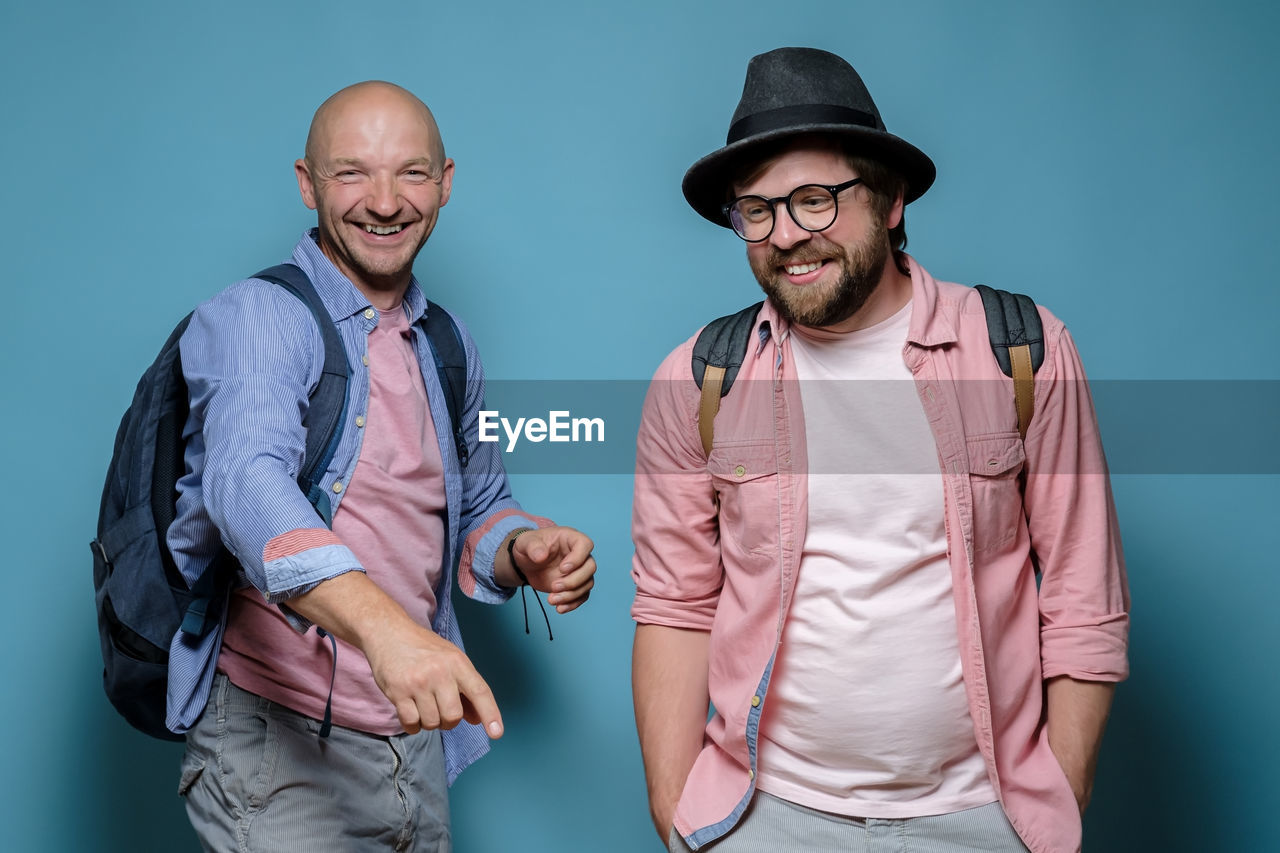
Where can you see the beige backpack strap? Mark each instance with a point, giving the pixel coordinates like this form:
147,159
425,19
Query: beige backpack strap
712,379
1023,386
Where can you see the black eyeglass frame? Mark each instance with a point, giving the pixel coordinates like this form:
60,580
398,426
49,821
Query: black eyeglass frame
772,203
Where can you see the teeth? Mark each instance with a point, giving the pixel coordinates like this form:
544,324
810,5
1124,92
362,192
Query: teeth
801,269
383,230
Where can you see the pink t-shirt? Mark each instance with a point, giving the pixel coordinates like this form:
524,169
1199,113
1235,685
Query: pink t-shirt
392,518
867,714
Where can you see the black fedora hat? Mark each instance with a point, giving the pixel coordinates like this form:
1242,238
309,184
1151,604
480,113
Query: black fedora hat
797,90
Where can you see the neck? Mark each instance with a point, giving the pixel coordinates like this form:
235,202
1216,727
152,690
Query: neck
383,298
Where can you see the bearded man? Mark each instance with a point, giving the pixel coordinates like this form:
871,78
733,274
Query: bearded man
908,617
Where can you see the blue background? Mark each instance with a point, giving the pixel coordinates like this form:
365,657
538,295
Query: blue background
1117,161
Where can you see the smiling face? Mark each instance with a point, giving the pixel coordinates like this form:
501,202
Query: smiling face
376,175
824,278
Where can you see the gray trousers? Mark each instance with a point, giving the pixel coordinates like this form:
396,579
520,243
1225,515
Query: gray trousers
257,777
773,825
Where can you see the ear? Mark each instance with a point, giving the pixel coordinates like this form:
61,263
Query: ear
305,186
894,219
446,181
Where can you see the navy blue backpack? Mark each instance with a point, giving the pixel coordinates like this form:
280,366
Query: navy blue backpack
142,599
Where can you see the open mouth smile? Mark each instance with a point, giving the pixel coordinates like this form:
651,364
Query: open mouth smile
801,269
800,274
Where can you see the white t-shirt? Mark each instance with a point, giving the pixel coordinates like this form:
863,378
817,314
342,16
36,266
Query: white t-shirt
866,712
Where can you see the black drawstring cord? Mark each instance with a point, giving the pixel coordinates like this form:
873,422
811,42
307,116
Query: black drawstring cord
326,725
511,554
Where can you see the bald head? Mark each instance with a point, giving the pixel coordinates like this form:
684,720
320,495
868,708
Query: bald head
367,101
376,175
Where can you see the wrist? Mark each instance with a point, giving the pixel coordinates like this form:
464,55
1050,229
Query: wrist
511,556
662,811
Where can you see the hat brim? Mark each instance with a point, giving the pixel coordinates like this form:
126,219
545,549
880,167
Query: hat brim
706,184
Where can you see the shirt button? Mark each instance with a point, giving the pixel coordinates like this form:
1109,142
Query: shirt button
359,420
739,471
365,359
368,313
755,701
751,774
337,487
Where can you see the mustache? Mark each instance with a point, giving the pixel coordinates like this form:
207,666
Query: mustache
800,255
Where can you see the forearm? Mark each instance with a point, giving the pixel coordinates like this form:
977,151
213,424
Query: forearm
1076,717
354,609
669,687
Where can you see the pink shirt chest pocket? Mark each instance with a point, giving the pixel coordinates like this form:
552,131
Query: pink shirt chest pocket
996,461
745,479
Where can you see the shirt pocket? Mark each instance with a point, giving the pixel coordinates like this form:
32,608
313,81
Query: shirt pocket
995,463
745,478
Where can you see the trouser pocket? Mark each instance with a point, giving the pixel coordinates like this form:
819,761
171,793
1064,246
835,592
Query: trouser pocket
192,767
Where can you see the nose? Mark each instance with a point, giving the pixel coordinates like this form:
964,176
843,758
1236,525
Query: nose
786,233
384,197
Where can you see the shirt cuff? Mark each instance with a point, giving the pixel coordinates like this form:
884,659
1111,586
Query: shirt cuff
475,568
1087,652
295,574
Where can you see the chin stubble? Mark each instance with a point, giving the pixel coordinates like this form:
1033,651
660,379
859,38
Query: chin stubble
860,270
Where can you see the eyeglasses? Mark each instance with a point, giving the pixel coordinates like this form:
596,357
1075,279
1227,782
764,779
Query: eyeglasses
813,207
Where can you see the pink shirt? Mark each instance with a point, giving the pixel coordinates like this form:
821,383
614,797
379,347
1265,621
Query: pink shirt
392,518
719,540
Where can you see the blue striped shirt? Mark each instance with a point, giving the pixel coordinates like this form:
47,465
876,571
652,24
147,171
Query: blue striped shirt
251,355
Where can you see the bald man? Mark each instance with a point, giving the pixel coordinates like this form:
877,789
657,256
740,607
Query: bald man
262,769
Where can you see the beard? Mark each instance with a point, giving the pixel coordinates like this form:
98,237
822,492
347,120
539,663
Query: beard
861,268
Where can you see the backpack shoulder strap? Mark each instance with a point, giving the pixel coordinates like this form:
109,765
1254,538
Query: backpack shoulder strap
717,355
328,403
451,365
1017,339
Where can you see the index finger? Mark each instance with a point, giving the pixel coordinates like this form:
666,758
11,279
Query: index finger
482,707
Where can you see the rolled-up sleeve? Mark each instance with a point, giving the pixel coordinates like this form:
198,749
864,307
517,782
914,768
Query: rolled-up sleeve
677,565
1075,536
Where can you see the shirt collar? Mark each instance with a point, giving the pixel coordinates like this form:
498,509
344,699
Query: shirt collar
933,323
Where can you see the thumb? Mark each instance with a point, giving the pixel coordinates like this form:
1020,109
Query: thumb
532,547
